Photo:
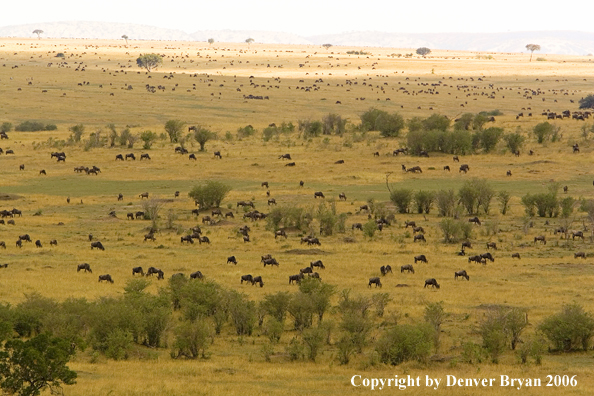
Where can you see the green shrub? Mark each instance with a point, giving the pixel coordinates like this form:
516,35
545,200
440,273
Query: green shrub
209,194
192,339
402,199
544,131
406,342
570,329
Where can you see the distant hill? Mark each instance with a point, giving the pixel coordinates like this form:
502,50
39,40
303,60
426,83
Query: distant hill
552,42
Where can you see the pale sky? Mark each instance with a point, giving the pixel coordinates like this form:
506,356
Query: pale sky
310,17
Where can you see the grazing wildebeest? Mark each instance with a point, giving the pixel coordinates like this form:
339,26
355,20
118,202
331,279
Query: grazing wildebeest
271,201
376,154
508,173
364,207
106,278
244,230
415,169
474,220
565,189
258,279
137,270
187,238
319,194
204,239
488,256
462,274
3,244
54,242
246,238
375,281
216,212
270,261
456,159
423,154
245,203
97,245
306,270
409,224
217,154
464,168
447,167
231,259
229,214
265,184
280,233
342,197
516,255
419,237
90,237
339,162
301,183
145,156
418,229
120,197
577,234
315,275
295,278
22,167
84,266
192,156
576,148
139,214
119,157
540,238
131,155
42,172
153,270
25,237
313,241
247,278
150,236
19,243
385,269
144,195
357,226
196,275
491,245
207,220
476,259
579,254
195,212
130,216
6,266
16,212
10,222
466,244
421,258
431,282
290,164
317,263
9,152
285,156
408,267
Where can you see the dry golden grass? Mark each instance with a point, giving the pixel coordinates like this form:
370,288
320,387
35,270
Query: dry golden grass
543,280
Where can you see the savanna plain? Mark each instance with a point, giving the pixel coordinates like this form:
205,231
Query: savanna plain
258,102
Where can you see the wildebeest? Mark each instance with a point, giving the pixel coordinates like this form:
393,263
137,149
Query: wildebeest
474,220
270,261
153,270
131,155
22,167
477,259
375,281
540,238
385,269
462,274
464,168
579,254
207,220
42,172
204,239
455,158
187,238
120,197
16,212
577,234
431,282
415,169
3,244
421,258
216,212
290,164
419,237
409,224
232,260
97,245
246,238
229,214
313,241
418,229
38,243
84,266
192,156
245,203
6,266
295,278
137,270
516,255
149,236
217,154
9,152
488,256
247,278
144,195
119,157
130,216
306,270
364,207
271,201
196,275
357,226
258,279
466,244
139,214
53,242
285,156
280,233
339,162
265,184
565,189
106,278
342,196
491,245
145,156
408,267
19,243
319,194
317,263
447,167
301,183
509,173
25,237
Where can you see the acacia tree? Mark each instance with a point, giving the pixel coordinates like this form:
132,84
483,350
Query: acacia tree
125,37
423,51
202,135
326,45
249,41
587,102
38,32
149,61
211,41
532,48
174,129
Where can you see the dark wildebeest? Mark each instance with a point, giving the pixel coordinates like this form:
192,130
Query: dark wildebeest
491,245
285,156
137,270
145,156
357,226
271,201
315,275
418,229
431,282
9,152
516,255
317,263
421,257
456,159
339,162
408,267
22,167
90,237
231,259
301,183
265,184
120,197
6,266
84,266
376,154
153,270
270,261
385,269
579,254
488,256
3,244
150,236
192,156
462,274
474,220
306,270
10,222
508,173
295,278
258,279
577,234
540,238
464,168
119,157
217,154
97,245
106,278
25,237
19,243
375,281
423,154
42,172
415,169
207,220
247,278
447,167
290,164
130,216
196,275
203,239
419,237
54,242
313,241
139,214
364,207
280,233
131,155
476,259
342,197
466,244
144,195
216,212
565,189
246,238
319,194
187,238
38,243
409,223
195,212
229,214
245,203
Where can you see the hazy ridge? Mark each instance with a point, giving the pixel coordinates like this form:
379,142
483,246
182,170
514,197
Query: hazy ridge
551,42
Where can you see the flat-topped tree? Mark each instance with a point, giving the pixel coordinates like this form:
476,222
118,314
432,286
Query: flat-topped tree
38,32
249,41
532,48
149,61
211,41
125,37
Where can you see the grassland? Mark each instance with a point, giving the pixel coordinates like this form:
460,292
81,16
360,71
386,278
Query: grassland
542,281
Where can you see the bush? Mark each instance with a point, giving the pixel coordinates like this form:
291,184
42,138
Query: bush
288,216
542,204
276,305
436,122
502,325
308,128
203,135
33,126
406,342
77,132
209,194
514,141
6,127
148,137
423,51
446,202
543,131
389,125
587,102
402,199
192,339
314,340
504,198
246,131
489,138
424,201
174,129
570,329
333,124
452,230
370,228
